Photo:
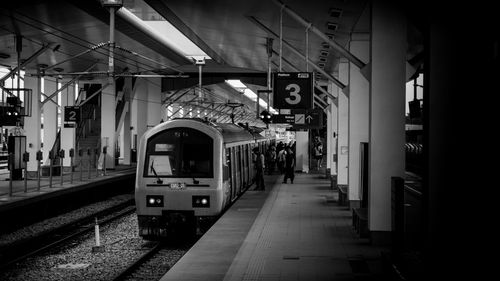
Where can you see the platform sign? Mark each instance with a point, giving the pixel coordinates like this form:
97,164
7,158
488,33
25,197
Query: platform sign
72,114
309,119
283,119
301,118
293,90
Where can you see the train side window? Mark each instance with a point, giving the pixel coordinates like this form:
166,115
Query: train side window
225,170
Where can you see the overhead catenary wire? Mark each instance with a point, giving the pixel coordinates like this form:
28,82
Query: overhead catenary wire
70,35
122,59
95,47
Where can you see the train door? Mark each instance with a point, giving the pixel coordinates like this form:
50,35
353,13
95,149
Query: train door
249,169
245,164
230,170
250,162
242,167
242,163
233,174
238,169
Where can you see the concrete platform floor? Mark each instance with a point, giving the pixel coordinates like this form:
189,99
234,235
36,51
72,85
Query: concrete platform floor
288,232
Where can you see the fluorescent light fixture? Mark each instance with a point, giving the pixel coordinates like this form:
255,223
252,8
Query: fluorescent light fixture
171,35
112,3
236,84
250,94
239,86
335,12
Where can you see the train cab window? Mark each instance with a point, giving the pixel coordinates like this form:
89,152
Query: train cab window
162,165
179,152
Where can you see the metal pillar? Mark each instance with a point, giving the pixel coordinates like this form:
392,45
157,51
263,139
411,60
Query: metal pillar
71,155
51,156
90,161
61,156
26,159
39,157
11,172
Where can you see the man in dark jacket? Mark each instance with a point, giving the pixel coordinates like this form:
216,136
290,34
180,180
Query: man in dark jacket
289,165
259,169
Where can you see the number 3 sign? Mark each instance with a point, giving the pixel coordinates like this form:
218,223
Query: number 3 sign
72,114
293,90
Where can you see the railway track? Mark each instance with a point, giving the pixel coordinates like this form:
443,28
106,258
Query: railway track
155,262
23,249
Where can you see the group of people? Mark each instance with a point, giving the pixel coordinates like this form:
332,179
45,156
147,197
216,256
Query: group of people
284,159
283,156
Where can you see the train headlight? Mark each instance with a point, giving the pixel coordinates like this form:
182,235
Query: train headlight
201,201
154,201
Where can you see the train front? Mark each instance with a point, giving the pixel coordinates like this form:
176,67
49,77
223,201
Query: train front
179,182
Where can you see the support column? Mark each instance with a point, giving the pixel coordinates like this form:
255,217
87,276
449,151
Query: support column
49,110
154,102
68,135
329,138
32,124
126,132
302,151
460,164
343,127
387,115
139,107
108,116
359,89
333,156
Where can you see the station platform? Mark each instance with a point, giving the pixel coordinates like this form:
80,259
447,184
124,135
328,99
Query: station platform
23,194
287,232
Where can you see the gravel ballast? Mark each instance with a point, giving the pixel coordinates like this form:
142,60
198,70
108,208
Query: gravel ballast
77,261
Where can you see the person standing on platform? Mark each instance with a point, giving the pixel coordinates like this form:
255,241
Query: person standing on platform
281,159
271,159
289,165
280,146
259,169
318,154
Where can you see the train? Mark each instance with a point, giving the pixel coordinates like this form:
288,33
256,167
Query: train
189,171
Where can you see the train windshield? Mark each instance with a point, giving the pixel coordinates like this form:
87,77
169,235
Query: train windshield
179,153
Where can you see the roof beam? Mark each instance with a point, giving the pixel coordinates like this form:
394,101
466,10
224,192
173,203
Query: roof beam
26,62
345,53
161,7
180,96
67,84
319,69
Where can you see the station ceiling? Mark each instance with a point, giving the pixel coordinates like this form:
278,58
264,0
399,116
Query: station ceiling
225,30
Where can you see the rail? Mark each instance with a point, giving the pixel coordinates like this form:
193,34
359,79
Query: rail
21,250
134,266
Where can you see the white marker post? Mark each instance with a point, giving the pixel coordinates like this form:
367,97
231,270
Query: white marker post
97,248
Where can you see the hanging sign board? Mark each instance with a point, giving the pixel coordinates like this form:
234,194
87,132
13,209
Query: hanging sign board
301,118
308,119
72,114
293,90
